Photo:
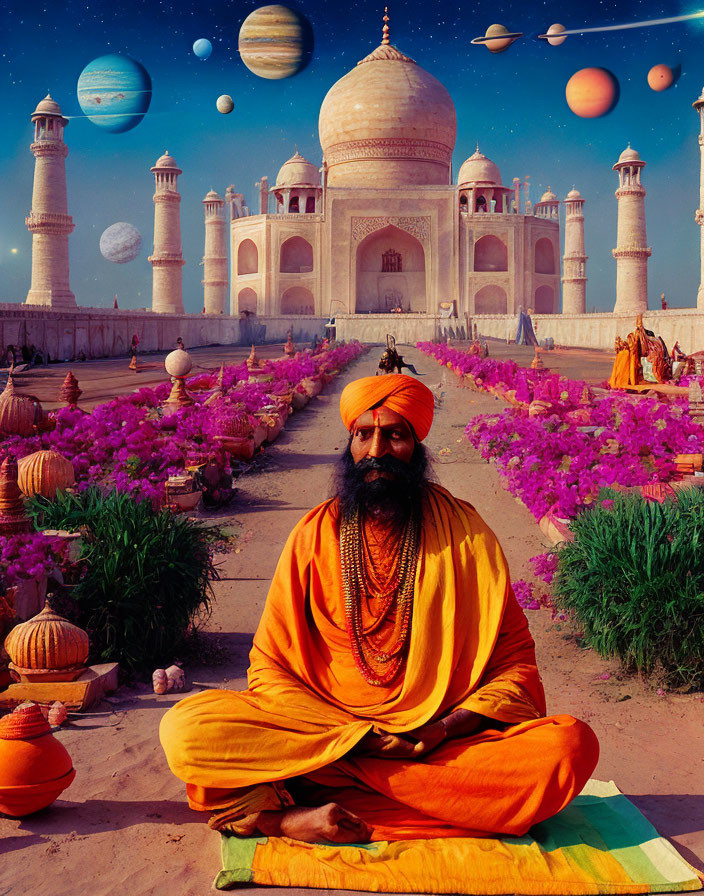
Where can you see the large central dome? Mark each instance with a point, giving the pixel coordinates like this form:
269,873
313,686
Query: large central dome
387,123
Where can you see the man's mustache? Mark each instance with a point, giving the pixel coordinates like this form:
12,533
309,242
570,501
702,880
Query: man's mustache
383,464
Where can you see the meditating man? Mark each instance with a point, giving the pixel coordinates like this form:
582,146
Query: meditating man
393,690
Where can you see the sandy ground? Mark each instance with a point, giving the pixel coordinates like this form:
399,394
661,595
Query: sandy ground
123,826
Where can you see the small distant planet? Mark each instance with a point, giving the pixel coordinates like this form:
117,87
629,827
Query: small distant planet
114,91
275,42
660,77
202,48
554,35
592,92
497,38
225,104
120,243
14,251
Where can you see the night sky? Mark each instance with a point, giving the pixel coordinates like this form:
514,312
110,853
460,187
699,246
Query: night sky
512,104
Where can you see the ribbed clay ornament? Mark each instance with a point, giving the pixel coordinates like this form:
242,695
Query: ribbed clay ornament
47,648
18,413
24,723
44,473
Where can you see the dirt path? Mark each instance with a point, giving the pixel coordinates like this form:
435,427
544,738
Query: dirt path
123,825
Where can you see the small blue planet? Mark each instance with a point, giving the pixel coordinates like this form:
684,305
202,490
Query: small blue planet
120,243
114,91
202,48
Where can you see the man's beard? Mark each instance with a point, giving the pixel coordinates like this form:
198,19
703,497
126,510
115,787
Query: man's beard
396,498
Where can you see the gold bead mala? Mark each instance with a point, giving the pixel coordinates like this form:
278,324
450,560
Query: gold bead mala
378,666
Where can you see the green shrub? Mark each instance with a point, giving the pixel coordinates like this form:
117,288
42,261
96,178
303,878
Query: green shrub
148,579
634,580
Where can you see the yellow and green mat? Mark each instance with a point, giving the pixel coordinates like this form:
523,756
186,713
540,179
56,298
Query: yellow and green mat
599,844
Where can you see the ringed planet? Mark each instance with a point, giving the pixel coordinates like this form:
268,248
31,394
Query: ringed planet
555,35
497,38
592,92
660,77
225,104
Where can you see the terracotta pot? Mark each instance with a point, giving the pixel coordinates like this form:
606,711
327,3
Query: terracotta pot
259,434
34,766
18,413
299,399
311,385
44,473
187,501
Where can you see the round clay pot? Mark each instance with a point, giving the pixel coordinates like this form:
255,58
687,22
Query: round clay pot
34,766
44,473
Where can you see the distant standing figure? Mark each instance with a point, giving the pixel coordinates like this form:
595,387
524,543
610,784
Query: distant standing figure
180,344
663,302
133,352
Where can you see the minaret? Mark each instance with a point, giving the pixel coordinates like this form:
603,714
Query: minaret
631,252
215,281
699,213
167,259
49,221
574,280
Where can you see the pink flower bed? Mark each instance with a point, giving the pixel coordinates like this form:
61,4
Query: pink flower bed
582,443
127,444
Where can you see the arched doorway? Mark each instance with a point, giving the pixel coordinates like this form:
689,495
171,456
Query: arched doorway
544,257
247,258
390,272
490,299
247,301
297,300
544,299
490,254
296,256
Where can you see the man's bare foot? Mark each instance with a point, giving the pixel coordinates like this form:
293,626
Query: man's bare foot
330,823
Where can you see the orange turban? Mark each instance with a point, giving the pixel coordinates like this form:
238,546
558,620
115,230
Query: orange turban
395,391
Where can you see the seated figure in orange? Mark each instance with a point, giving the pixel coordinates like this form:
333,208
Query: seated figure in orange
393,691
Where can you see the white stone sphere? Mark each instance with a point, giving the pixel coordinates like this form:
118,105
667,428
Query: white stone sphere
225,104
120,243
178,363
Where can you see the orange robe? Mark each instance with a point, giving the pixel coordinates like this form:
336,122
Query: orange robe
307,704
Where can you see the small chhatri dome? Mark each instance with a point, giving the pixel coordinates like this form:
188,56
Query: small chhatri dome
549,196
47,106
479,170
387,123
211,194
298,172
574,194
628,156
166,161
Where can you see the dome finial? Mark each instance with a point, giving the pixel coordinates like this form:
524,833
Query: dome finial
385,31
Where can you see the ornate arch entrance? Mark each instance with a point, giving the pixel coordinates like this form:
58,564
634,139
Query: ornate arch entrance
390,272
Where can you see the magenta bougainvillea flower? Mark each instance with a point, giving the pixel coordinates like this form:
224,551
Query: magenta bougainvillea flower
581,442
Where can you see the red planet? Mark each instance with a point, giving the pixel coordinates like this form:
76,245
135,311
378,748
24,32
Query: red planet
591,92
660,77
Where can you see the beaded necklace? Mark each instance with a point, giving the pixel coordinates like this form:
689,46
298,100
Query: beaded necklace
378,665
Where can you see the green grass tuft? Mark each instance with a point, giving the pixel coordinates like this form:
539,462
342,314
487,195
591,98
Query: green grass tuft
634,580
148,578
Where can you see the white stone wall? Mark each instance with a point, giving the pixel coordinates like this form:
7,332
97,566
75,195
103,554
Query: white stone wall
104,333
600,330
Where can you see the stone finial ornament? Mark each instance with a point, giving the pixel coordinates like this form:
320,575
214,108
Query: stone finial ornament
70,393
13,516
253,362
47,648
289,347
178,365
537,362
